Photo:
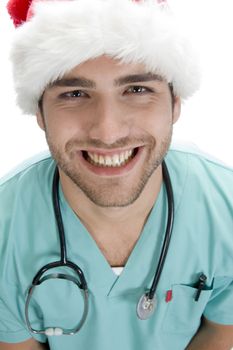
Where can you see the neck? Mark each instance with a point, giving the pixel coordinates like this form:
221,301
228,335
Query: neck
94,216
115,230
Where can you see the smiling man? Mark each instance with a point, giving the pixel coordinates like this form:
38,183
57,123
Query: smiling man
114,239
110,150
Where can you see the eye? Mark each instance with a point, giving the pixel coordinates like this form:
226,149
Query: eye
139,90
73,94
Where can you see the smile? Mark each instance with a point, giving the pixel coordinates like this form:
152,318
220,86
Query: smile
110,161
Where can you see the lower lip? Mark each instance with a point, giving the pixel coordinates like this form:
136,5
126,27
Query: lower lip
111,171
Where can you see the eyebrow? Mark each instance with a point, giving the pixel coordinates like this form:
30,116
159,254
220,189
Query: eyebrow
136,78
86,83
73,82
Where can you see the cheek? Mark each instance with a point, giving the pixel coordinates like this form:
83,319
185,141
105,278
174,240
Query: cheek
157,121
60,129
63,122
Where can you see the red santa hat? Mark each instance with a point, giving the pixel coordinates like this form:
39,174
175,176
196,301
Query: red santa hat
54,36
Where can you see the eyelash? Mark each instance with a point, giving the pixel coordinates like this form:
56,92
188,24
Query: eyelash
146,89
73,94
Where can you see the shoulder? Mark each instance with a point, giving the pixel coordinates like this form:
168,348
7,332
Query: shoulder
31,171
203,195
31,179
193,153
204,181
205,184
202,169
24,167
25,179
205,202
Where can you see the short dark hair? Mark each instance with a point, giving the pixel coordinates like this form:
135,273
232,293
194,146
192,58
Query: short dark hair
40,104
172,94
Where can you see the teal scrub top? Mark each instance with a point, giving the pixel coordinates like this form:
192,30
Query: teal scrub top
202,242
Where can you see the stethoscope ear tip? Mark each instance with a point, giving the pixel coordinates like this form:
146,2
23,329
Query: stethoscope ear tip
53,331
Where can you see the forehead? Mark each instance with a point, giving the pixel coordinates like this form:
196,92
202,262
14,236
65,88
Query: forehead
109,63
108,66
108,70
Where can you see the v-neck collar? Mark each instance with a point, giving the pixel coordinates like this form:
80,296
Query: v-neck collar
142,262
84,251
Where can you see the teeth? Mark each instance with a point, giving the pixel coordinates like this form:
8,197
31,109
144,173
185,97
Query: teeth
122,157
101,160
96,158
110,161
116,160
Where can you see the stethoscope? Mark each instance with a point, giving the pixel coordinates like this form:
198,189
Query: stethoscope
148,301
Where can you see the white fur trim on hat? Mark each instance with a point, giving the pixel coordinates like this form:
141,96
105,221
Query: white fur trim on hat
63,34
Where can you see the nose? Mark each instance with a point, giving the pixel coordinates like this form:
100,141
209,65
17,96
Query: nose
109,122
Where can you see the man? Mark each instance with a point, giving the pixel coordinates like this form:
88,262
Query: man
105,79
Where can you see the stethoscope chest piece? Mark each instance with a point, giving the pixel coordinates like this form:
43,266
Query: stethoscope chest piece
146,306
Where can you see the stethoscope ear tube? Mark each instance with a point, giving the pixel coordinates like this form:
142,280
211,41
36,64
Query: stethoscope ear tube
58,216
57,331
168,232
39,278
148,301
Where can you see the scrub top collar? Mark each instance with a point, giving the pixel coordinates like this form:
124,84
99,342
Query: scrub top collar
141,264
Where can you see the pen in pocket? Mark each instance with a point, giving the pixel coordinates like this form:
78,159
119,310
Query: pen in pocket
200,286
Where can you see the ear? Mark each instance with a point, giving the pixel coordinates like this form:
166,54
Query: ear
176,109
40,120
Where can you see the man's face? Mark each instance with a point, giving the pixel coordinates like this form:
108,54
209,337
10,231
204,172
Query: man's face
108,126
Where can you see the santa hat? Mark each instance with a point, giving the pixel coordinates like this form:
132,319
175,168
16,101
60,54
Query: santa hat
54,36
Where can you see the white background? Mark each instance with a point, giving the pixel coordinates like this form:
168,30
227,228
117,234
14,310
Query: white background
207,117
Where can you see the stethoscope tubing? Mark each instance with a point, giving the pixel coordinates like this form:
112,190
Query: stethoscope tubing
58,216
61,331
149,297
168,232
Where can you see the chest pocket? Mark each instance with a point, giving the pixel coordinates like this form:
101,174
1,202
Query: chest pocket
183,312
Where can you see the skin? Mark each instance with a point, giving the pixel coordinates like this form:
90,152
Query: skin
110,118
30,344
212,336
